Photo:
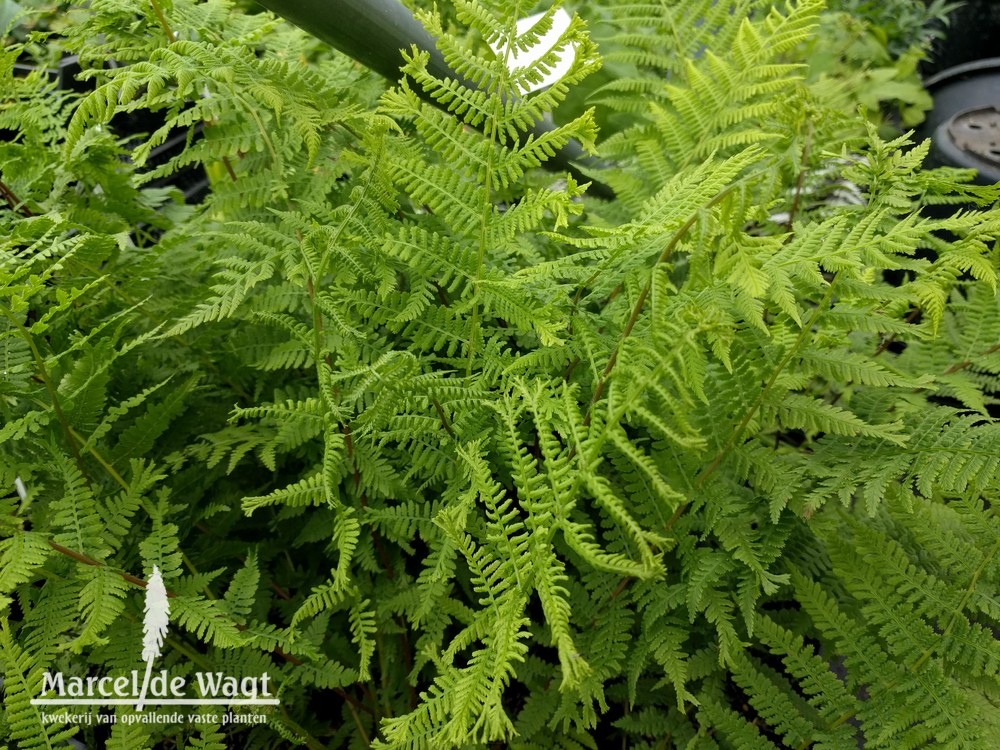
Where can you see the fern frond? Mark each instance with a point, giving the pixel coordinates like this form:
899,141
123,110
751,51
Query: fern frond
22,682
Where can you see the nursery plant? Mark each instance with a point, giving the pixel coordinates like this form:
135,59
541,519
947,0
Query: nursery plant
460,455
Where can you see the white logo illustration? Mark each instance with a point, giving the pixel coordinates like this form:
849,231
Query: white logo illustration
154,627
215,688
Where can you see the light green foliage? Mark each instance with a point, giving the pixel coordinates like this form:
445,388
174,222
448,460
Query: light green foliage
465,457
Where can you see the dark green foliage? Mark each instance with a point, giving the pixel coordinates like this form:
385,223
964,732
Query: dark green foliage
900,24
464,457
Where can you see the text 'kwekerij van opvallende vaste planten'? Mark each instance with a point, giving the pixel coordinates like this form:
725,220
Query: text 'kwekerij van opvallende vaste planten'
461,452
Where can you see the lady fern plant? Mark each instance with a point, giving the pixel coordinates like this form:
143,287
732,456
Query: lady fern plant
467,458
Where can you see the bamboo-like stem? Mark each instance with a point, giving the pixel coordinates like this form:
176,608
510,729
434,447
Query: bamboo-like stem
8,195
163,20
229,168
82,558
444,418
98,456
968,362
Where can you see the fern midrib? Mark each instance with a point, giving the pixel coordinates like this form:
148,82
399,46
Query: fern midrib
487,209
163,20
317,313
738,432
641,301
961,605
22,679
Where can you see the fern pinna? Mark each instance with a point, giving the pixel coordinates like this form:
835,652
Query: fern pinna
712,465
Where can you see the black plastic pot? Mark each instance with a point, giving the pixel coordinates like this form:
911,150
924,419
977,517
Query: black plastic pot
973,33
962,74
964,124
